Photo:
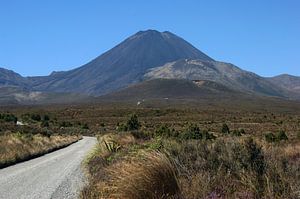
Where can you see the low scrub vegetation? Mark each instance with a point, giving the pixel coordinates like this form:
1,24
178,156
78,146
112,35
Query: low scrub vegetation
193,163
234,169
210,153
16,147
225,129
8,118
131,124
280,136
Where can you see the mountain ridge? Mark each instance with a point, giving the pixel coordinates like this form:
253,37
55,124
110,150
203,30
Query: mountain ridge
11,78
165,89
220,72
149,55
123,65
14,95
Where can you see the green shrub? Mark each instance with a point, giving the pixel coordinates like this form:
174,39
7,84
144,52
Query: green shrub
65,124
281,135
255,156
156,144
256,161
236,133
45,123
8,118
242,131
133,123
208,136
85,126
122,127
270,137
25,117
36,117
192,132
46,118
225,129
163,131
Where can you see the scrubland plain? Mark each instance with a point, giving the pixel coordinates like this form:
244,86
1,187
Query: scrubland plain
181,151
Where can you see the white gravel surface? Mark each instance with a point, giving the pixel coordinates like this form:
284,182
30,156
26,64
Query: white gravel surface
56,175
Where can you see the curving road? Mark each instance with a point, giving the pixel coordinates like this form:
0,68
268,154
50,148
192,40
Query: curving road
57,175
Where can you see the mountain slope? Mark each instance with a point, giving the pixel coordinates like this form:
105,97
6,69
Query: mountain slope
288,82
123,65
151,55
186,93
171,89
222,73
10,78
16,96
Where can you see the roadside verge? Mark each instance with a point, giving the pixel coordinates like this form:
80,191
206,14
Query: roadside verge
16,147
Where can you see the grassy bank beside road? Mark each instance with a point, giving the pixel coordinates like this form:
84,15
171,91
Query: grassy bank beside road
17,147
193,162
123,166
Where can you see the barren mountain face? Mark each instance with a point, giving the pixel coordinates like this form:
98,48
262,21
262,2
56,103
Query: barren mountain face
123,65
10,78
220,72
289,82
146,55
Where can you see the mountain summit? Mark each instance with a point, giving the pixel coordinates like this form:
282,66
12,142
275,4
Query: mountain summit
150,55
123,65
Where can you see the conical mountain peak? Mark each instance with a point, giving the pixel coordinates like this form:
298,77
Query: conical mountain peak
124,64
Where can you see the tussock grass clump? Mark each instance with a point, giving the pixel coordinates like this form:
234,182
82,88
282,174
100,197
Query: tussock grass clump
112,143
149,175
124,167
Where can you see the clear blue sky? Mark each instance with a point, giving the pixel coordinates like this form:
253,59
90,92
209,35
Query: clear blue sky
40,36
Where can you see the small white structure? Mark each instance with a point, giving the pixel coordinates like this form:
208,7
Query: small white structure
138,103
20,123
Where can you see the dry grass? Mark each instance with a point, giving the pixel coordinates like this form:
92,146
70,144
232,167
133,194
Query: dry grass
18,147
110,143
236,168
120,170
207,168
150,175
228,167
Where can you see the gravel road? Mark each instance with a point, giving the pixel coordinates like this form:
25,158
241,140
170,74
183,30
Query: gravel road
57,175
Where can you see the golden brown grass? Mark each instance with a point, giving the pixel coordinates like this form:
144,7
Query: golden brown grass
119,170
150,175
208,169
228,167
113,142
17,147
